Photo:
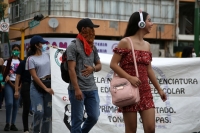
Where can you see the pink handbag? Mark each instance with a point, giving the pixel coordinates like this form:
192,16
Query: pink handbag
122,91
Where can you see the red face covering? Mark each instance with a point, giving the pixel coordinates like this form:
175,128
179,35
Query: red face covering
87,36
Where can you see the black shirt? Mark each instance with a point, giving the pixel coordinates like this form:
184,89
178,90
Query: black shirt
25,74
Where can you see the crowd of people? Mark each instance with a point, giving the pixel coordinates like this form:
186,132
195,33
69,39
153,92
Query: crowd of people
31,79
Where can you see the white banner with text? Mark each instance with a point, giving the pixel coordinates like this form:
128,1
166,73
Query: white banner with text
178,77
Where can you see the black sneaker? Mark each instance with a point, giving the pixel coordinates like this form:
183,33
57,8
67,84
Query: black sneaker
13,128
7,127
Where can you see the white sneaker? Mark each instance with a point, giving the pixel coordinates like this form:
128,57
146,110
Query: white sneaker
30,129
26,132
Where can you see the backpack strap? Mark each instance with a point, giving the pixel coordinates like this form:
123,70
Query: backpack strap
65,62
75,42
7,69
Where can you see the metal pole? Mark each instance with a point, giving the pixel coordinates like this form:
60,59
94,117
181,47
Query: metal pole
49,7
177,21
22,30
22,44
18,29
196,29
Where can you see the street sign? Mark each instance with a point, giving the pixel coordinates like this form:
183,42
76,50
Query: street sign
4,27
33,23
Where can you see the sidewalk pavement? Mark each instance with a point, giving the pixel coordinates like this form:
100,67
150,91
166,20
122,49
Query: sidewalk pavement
18,122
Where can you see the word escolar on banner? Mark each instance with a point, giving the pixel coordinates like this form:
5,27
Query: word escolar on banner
177,115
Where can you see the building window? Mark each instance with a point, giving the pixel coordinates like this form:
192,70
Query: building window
161,11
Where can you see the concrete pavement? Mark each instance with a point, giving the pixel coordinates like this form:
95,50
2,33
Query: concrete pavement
18,122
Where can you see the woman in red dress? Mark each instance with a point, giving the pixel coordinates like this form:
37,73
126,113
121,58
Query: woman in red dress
136,30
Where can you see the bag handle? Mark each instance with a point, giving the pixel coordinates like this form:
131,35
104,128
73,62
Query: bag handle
134,59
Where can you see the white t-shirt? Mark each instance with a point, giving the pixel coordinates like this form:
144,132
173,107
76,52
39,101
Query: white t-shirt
13,67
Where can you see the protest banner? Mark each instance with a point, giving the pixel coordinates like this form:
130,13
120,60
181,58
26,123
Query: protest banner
178,77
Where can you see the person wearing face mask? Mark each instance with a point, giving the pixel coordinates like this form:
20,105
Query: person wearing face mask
25,78
9,75
188,52
83,60
40,89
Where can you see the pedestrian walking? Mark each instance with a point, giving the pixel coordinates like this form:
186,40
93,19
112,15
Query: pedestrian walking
9,73
122,64
40,89
23,76
83,60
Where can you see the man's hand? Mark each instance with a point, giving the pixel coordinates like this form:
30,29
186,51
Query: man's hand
78,94
87,71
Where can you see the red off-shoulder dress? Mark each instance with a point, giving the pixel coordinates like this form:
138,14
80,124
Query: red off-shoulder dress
143,58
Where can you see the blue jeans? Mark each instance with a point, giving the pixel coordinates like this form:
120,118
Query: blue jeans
42,110
11,104
91,102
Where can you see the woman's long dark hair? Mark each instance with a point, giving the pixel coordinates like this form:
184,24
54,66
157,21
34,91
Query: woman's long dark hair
132,26
16,45
187,52
33,49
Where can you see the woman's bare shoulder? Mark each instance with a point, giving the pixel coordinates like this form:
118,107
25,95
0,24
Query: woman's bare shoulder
123,44
147,44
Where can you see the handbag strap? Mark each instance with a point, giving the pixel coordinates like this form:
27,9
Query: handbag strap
134,59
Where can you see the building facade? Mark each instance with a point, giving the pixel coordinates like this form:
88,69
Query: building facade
4,14
111,15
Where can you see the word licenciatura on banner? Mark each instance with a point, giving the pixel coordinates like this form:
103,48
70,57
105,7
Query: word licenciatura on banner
178,77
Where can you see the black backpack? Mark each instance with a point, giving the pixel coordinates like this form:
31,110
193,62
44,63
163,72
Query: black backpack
64,66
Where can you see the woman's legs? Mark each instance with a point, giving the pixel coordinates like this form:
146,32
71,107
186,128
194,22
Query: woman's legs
15,109
148,120
130,120
38,108
46,122
25,94
11,106
8,90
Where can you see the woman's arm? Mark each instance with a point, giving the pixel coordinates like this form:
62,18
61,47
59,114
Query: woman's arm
7,78
39,82
16,95
155,82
